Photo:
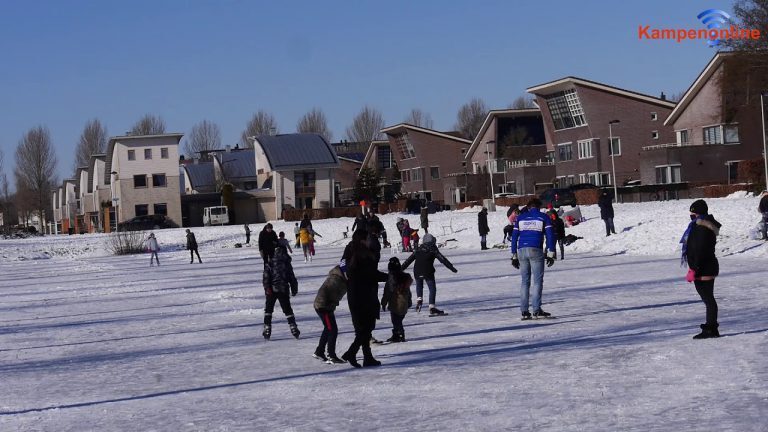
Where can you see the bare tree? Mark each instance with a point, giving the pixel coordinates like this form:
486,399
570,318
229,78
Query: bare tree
366,126
470,118
262,123
522,102
675,97
750,14
204,136
35,168
148,125
315,122
92,141
419,118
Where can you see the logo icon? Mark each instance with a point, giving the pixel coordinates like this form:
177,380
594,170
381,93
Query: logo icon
714,20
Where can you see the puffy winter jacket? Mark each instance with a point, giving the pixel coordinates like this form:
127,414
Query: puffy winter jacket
530,230
700,249
331,291
397,296
304,236
424,257
763,206
278,274
482,222
191,241
606,207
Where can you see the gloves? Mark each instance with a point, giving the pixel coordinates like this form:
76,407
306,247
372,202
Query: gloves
550,259
294,289
690,276
419,302
454,270
515,261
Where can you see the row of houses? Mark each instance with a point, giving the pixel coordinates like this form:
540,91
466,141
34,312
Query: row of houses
580,131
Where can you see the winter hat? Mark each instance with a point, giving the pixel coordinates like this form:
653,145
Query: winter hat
429,239
394,265
699,207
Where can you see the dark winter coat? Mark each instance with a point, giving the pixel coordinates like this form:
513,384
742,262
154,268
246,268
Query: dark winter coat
606,207
397,296
267,241
191,241
559,226
363,279
278,274
508,231
375,246
331,291
360,223
306,223
700,247
424,217
763,207
424,257
482,222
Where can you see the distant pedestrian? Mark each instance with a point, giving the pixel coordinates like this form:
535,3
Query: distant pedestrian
192,247
763,209
406,232
154,248
482,227
559,227
606,212
247,234
267,243
282,241
279,284
698,247
305,238
424,216
296,231
306,222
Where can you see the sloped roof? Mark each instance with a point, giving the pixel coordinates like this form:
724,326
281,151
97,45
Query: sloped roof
296,151
696,86
357,157
372,148
237,164
92,169
489,118
396,128
564,83
200,174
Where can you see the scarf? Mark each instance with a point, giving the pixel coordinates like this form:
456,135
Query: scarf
684,241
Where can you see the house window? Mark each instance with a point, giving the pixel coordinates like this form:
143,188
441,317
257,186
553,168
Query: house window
666,174
582,178
585,149
683,136
139,181
570,180
161,209
131,154
475,167
731,134
384,157
434,172
416,174
654,116
550,157
405,176
163,152
158,180
565,109
733,171
141,209
304,182
404,146
564,152
148,154
600,179
713,135
615,148
655,135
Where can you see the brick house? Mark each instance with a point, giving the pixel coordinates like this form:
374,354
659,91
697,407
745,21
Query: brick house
425,158
717,124
576,114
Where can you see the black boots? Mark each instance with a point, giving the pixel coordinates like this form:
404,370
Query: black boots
708,331
294,328
267,333
396,337
483,246
368,359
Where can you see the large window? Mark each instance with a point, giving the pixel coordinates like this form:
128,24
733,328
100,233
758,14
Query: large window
585,149
148,153
683,136
384,157
141,209
405,176
434,172
615,148
304,182
713,135
139,181
416,174
565,109
668,174
600,178
161,209
163,152
131,155
158,180
731,134
564,152
404,146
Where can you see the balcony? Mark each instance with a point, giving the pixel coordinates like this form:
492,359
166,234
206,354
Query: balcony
663,146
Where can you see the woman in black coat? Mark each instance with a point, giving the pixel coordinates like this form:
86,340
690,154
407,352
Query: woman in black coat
360,265
606,213
699,251
482,227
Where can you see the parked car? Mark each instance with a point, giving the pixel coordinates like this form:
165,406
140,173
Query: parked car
558,197
147,222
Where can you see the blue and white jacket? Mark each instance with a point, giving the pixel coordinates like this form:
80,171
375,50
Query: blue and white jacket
530,230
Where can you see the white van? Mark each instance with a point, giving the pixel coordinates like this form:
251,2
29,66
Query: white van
218,215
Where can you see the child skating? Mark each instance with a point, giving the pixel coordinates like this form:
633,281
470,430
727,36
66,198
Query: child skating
279,285
397,297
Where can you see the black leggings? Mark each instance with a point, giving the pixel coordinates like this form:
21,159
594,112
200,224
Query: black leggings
330,332
706,290
285,305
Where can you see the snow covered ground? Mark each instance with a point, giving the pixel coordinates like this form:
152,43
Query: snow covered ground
93,342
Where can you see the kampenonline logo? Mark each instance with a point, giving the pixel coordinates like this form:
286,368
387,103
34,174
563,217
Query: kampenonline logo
715,21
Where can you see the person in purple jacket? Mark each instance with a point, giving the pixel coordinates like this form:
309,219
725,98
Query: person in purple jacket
528,234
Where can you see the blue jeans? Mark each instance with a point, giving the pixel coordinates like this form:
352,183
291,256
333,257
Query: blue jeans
432,289
531,266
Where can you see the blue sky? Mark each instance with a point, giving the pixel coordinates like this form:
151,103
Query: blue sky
63,63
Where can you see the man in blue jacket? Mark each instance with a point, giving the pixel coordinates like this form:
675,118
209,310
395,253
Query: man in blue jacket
528,234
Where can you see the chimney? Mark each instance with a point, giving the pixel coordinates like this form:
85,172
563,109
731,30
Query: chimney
663,96
227,148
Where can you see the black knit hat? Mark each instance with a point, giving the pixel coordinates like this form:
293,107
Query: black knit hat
699,207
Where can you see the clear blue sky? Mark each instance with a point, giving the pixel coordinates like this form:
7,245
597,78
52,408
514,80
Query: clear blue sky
64,62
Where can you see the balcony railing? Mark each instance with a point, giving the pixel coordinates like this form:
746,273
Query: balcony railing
662,146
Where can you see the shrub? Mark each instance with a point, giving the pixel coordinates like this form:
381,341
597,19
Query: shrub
124,242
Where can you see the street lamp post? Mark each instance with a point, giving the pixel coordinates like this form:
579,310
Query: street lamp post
490,169
613,163
765,154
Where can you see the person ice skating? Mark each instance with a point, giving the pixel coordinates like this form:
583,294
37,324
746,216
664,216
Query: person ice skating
312,235
763,209
247,234
530,230
424,216
424,272
306,222
405,233
360,222
698,246
305,238
415,239
267,243
154,248
279,285
482,227
282,241
374,220
606,212
360,266
192,247
559,227
328,297
296,231
397,296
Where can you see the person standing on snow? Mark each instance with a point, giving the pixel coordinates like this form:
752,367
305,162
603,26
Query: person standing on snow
559,227
528,235
267,243
606,213
482,227
279,282
763,209
154,248
698,245
192,247
424,271
424,216
247,234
